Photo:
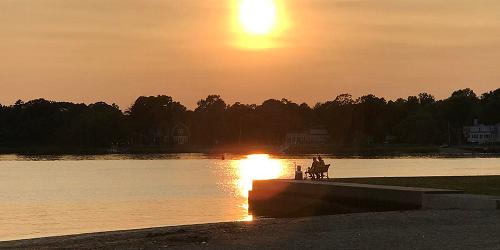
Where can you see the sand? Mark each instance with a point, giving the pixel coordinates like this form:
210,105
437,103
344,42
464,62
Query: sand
423,229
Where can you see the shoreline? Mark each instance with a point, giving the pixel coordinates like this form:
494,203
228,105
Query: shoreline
424,229
218,152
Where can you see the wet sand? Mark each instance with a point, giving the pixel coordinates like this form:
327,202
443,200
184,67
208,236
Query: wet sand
390,230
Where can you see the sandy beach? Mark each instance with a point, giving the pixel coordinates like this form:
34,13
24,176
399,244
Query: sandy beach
390,230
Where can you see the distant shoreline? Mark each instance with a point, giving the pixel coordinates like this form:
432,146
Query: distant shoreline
372,151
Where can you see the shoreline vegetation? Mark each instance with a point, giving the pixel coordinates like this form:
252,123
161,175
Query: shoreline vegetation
367,151
344,126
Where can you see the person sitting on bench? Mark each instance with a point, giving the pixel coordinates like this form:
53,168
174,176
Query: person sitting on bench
313,170
321,164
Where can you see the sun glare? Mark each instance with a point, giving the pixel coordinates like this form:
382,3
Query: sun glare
258,17
257,167
259,23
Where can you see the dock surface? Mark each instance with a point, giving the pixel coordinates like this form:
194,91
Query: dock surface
289,198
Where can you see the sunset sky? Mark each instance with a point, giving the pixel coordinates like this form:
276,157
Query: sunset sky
117,50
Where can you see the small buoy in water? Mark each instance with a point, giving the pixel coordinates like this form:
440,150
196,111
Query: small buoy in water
222,157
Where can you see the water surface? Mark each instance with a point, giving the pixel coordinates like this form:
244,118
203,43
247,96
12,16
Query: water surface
44,196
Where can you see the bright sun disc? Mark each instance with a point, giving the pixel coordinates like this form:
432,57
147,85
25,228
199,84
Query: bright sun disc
258,17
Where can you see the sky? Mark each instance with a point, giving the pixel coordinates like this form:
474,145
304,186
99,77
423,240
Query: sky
117,50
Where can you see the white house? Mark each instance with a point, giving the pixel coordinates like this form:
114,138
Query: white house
311,137
482,134
180,134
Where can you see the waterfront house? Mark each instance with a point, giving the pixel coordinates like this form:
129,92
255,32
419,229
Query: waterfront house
311,137
180,134
482,134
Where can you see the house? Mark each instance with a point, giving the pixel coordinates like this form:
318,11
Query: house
180,134
482,134
311,137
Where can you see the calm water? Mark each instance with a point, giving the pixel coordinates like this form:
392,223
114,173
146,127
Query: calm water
65,195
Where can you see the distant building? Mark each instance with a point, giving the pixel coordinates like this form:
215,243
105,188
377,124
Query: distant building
482,134
152,136
311,137
390,139
180,134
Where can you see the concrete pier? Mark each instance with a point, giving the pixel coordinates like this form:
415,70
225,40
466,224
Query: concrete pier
288,198
461,202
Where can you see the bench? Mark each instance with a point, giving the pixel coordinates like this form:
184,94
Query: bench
318,172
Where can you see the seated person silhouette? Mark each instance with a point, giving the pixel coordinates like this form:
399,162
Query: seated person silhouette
313,171
321,164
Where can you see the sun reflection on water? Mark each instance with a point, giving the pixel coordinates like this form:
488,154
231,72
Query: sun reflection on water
255,167
248,217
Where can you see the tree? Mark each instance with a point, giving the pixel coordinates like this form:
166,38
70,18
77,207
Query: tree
209,120
153,117
338,116
489,111
369,119
100,125
461,107
426,99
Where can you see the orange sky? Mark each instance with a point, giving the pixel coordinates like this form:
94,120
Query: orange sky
116,50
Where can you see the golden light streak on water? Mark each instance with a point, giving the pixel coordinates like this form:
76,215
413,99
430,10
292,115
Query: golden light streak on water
256,167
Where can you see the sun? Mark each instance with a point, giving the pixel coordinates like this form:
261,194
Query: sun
259,24
258,17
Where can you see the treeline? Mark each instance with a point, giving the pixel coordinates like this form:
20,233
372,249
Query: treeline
150,121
